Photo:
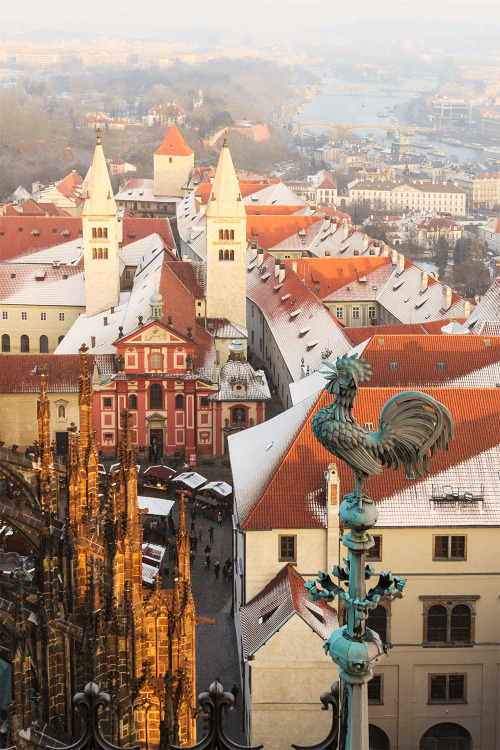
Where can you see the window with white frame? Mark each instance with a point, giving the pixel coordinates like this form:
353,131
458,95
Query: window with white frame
355,312
339,312
5,315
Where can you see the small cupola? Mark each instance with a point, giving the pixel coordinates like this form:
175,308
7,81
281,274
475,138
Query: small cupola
237,350
156,304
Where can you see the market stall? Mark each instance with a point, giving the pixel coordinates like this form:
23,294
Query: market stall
187,483
158,477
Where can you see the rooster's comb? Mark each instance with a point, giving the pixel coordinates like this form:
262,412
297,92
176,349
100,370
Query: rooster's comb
354,363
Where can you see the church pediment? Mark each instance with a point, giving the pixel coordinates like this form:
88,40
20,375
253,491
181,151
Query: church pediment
154,333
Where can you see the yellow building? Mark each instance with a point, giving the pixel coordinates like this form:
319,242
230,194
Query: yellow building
226,245
38,305
441,678
173,165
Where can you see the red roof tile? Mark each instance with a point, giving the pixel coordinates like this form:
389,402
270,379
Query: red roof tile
174,144
295,495
20,376
269,231
272,210
361,333
325,275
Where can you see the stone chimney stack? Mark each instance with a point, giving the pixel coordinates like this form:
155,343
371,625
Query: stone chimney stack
424,281
346,228
254,248
394,257
401,264
294,266
260,257
446,303
281,273
276,267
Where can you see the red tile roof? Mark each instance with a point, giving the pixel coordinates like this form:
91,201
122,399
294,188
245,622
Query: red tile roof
174,144
361,333
328,182
333,212
417,359
295,495
70,186
191,275
269,231
273,210
21,235
20,376
247,187
325,275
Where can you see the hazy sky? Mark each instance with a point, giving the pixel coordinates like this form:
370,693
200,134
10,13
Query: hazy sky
258,18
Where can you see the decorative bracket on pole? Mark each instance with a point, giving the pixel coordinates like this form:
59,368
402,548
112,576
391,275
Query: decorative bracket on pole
214,703
88,704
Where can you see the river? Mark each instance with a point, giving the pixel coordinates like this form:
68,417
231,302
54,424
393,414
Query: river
363,103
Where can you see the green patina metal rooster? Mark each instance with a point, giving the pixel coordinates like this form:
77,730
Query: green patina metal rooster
411,427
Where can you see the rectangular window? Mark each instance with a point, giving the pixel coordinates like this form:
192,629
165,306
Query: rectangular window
155,361
128,275
371,313
355,312
449,547
375,694
43,316
24,316
393,365
108,402
5,315
287,548
339,312
204,401
446,688
61,317
375,553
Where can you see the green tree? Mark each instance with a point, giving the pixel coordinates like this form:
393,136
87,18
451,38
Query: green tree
470,278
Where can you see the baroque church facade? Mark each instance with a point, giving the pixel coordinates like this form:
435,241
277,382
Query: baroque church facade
84,614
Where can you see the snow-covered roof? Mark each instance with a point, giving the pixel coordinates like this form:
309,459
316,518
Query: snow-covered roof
156,506
190,479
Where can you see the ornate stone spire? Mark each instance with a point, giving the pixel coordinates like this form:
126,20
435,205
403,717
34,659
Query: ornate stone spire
225,200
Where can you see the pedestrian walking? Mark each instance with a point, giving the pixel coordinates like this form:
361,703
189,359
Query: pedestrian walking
228,563
195,543
217,570
208,549
219,517
224,572
235,691
230,573
208,562
211,533
200,533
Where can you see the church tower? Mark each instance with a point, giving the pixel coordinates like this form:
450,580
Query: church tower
100,238
226,245
173,165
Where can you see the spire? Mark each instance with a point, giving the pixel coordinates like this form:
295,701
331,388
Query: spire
182,547
44,447
174,144
99,200
225,200
225,140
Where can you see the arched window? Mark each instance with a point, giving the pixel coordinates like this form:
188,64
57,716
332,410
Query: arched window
446,735
231,234
25,343
377,621
99,252
44,345
221,254
179,402
378,740
60,339
94,233
132,404
61,412
226,254
460,625
231,255
5,342
436,623
94,252
105,254
156,396
226,234
105,233
221,234
99,232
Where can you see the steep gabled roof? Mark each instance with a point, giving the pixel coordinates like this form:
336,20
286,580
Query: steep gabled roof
270,231
282,598
487,311
324,276
295,495
174,144
21,375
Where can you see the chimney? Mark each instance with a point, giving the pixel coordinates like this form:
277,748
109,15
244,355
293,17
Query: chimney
365,241
346,228
92,341
401,264
385,252
276,267
394,257
184,258
119,231
120,332
446,302
260,258
327,253
424,281
294,266
255,248
466,308
105,321
281,273
112,310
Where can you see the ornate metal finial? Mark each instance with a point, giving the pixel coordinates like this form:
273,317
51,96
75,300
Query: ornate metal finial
214,703
98,141
88,704
412,426
140,323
